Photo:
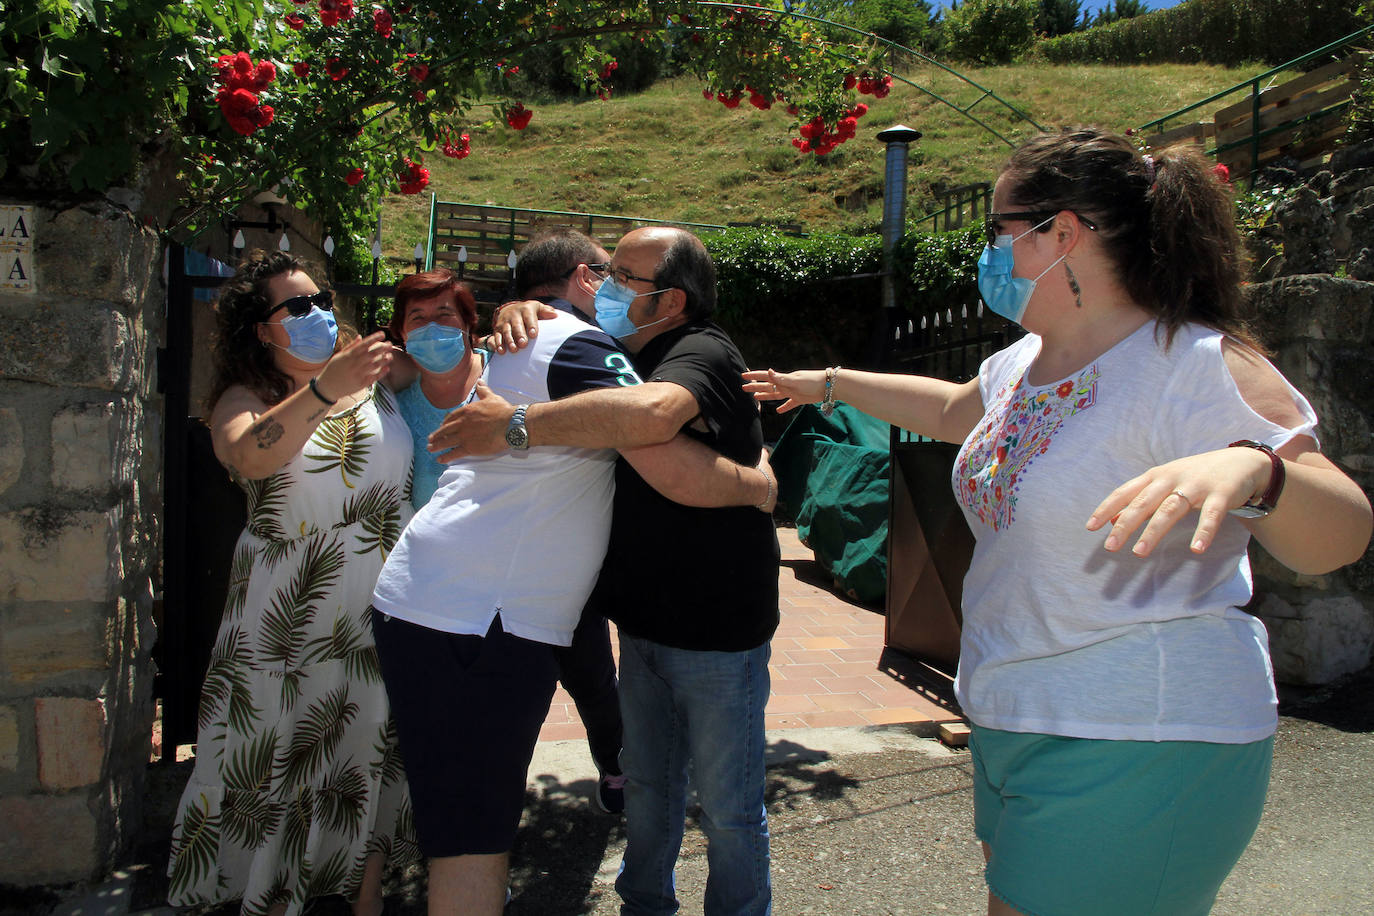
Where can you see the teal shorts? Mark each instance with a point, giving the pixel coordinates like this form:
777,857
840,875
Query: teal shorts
1079,826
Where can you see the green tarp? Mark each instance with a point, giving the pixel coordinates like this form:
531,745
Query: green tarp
833,479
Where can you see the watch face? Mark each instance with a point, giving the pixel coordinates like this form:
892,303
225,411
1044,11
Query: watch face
517,437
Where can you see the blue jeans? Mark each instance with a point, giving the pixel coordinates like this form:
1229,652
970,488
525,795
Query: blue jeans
706,708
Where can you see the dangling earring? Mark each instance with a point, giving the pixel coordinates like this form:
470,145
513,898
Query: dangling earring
1073,285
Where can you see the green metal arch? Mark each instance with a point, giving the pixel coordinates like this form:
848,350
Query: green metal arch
888,48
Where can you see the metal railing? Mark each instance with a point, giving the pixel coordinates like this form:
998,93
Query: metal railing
1256,88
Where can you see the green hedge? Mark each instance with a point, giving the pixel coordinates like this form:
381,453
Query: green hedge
793,302
1227,32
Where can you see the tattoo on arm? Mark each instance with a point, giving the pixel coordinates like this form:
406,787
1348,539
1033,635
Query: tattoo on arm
316,415
267,432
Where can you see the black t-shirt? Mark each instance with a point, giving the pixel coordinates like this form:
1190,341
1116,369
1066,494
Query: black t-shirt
702,579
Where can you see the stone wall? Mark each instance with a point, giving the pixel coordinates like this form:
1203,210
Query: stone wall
80,458
1320,326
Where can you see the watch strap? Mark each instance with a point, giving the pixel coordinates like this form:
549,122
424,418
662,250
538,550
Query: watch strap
1262,505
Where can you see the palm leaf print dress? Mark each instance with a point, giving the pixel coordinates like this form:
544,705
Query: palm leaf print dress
297,776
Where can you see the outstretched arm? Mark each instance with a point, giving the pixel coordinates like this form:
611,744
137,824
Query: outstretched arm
927,406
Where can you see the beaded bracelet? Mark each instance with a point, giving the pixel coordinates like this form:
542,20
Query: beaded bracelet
828,402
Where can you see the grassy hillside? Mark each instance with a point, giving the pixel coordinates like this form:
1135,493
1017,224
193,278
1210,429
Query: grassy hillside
670,154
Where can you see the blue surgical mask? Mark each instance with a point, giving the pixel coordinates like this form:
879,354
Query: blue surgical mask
1004,294
436,347
613,308
313,335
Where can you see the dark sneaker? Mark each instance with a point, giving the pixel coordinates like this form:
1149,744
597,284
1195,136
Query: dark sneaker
609,797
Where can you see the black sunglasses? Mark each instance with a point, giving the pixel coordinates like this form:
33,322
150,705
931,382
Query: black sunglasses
297,306
992,226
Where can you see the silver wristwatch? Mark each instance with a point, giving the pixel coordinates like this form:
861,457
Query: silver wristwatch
517,436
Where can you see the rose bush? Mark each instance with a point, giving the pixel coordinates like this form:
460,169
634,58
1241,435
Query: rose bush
296,94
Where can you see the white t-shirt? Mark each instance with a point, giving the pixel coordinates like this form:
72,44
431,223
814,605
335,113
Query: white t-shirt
1062,637
520,533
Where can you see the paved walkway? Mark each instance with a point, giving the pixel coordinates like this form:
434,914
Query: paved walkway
829,667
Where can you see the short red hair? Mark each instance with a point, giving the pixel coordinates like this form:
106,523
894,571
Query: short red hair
427,285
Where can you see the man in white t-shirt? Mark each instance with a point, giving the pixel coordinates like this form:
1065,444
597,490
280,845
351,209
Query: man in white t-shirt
488,579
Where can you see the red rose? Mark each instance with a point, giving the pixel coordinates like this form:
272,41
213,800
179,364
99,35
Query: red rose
382,23
353,177
335,68
331,11
519,116
866,85
513,70
707,94
604,93
859,110
266,73
418,95
419,72
301,69
610,68
241,109
732,100
295,21
761,102
414,178
458,149
849,80
1222,172
793,109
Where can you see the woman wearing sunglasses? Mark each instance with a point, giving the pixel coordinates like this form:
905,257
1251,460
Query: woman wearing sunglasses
297,786
1115,463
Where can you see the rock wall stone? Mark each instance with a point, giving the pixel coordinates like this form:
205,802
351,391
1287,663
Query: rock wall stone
80,464
1320,327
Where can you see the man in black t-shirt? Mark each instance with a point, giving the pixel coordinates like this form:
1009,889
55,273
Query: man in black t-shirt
693,592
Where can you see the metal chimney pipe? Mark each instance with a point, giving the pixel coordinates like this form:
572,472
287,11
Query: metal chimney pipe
897,138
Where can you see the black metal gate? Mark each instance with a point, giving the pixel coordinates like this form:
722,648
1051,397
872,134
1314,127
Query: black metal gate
929,544
203,513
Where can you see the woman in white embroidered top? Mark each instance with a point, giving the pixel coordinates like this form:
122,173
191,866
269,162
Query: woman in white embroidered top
1122,703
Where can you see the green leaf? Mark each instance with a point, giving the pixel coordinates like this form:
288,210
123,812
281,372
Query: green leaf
316,737
345,447
194,848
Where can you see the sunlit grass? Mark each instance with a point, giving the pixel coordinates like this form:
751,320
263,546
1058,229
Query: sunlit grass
667,153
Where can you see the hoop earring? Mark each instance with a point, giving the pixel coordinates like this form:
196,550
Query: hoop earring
1073,285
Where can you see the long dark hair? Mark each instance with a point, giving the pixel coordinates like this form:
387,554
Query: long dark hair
238,357
1165,220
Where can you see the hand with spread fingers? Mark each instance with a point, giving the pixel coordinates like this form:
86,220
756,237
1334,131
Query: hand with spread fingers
798,388
1213,483
476,429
